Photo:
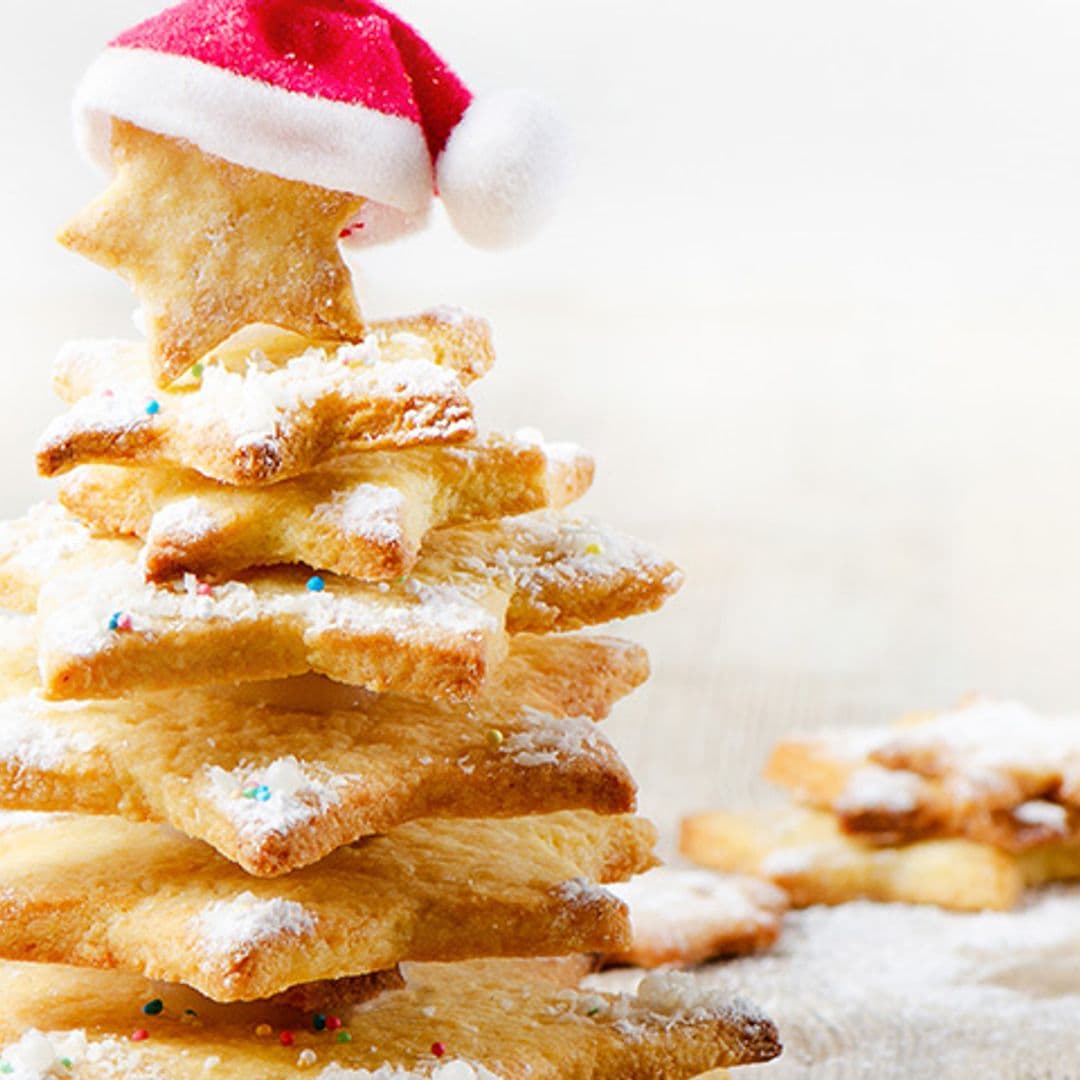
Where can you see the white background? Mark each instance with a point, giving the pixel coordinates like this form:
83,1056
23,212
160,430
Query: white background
812,302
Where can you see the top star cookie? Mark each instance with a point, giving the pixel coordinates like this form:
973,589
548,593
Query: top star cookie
211,248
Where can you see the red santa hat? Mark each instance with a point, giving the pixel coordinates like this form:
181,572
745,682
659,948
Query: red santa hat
337,93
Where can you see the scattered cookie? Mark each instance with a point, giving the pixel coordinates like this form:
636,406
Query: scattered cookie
267,249
806,854
686,917
104,632
274,790
102,892
472,1021
365,517
995,773
247,420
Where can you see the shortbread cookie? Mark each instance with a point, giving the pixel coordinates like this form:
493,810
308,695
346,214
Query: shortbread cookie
439,634
274,790
262,421
689,916
484,1020
834,770
806,854
364,517
102,892
266,249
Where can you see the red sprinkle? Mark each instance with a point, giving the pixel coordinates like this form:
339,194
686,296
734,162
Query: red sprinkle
438,1049
203,589
140,1035
124,622
333,1023
287,1038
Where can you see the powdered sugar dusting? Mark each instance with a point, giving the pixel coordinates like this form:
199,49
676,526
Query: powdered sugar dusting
40,542
664,999
901,992
894,791
670,907
558,453
228,928
989,736
82,629
187,522
30,741
254,405
289,795
372,512
549,740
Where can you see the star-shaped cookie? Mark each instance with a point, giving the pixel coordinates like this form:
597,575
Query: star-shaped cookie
210,248
102,892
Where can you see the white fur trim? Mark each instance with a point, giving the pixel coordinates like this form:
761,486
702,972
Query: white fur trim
326,143
378,223
503,168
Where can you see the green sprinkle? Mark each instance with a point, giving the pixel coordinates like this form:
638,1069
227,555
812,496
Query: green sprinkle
6,1067
197,371
250,793
66,1062
154,1008
593,1011
344,1037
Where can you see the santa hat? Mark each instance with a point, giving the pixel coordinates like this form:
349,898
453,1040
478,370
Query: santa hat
337,93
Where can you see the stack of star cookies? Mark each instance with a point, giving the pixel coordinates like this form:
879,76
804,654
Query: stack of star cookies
300,766
295,695
965,809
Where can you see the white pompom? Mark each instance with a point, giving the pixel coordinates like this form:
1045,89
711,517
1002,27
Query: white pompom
503,169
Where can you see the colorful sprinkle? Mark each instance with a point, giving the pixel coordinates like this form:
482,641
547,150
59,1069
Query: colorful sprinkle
204,589
593,1011
306,1058
6,1067
108,393
332,1023
153,408
197,371
438,1049
140,1035
262,793
154,1008
120,622
594,549
316,584
318,1022
264,1031
344,1037
286,1038
249,793
496,737
66,1062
